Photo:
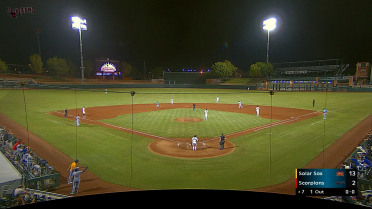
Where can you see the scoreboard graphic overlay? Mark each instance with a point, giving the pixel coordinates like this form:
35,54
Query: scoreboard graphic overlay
326,182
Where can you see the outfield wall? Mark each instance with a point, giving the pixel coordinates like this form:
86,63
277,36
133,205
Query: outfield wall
262,86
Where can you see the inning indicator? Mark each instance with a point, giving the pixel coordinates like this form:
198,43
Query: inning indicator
326,182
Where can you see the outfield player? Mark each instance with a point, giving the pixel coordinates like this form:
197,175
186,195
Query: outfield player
217,99
77,119
206,114
172,101
76,180
258,110
325,113
193,107
240,104
194,141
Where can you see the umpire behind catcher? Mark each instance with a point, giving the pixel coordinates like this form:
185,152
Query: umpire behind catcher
222,142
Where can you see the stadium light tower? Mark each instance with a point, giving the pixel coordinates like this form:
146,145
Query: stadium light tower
269,25
80,24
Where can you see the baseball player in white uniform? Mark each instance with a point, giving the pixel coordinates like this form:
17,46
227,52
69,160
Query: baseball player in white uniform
206,114
194,141
258,110
217,99
240,104
83,111
77,120
172,101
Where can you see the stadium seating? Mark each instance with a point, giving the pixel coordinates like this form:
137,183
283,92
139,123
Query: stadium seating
36,173
361,160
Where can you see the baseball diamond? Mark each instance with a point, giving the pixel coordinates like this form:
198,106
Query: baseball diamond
171,146
128,143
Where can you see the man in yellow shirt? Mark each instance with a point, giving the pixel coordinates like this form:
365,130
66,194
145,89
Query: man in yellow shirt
71,169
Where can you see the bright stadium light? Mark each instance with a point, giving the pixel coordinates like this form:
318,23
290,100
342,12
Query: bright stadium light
80,24
269,25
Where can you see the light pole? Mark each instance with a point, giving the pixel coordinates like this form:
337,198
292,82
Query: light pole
80,24
269,25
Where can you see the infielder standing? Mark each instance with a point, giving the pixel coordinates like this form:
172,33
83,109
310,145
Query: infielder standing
325,113
258,110
77,119
206,114
66,112
83,111
240,104
194,141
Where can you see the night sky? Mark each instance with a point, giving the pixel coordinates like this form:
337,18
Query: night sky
189,33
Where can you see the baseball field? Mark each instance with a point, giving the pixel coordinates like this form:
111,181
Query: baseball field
127,140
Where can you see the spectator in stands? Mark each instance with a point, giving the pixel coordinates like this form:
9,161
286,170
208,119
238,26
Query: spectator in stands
2,137
17,154
28,161
16,144
361,198
354,163
24,150
6,134
36,170
346,165
367,162
348,199
368,199
19,194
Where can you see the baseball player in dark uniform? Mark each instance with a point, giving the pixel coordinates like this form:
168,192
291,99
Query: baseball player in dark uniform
222,142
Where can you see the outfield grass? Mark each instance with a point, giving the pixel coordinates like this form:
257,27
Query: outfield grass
258,160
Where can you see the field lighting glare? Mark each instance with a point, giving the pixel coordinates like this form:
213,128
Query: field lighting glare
80,24
269,25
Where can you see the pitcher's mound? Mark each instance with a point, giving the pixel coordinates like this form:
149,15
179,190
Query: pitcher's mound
188,120
182,148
